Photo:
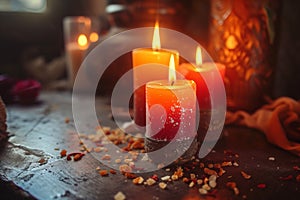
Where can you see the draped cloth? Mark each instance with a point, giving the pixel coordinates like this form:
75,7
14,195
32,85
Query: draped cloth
279,121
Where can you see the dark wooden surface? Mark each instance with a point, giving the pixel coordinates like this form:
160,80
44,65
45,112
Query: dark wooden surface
37,132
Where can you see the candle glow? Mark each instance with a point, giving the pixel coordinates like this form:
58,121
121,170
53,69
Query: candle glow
198,56
94,37
82,40
156,38
172,71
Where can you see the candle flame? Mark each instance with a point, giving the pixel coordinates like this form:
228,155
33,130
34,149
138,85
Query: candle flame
172,71
94,37
82,40
156,38
198,56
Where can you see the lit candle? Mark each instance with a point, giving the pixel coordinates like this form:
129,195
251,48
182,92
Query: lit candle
75,53
170,108
146,56
200,72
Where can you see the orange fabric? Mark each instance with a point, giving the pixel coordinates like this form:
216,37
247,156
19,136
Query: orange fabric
279,121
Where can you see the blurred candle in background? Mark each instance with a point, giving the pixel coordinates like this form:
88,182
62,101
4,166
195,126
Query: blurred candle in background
146,56
77,38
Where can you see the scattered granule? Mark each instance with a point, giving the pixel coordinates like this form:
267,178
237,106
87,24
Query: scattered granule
125,168
131,164
98,168
98,149
185,180
161,165
179,172
261,186
202,191
226,164
118,160
232,185
217,165
212,178
192,176
137,145
235,164
206,187
162,185
192,184
271,158
42,161
112,171
201,165
236,191
63,153
212,184
119,196
154,177
244,196
67,120
205,180
209,171
174,177
168,169
165,178
78,156
298,178
129,175
103,172
221,172
150,181
210,166
127,160
245,175
138,180
56,148
199,181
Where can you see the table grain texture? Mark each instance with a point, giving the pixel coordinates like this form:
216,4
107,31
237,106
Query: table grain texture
39,132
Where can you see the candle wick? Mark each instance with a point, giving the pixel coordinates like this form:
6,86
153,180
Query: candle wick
172,83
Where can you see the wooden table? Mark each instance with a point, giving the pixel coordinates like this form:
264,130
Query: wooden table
40,132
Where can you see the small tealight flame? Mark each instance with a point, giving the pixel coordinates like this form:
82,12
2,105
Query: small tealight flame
172,71
198,56
94,37
82,40
156,38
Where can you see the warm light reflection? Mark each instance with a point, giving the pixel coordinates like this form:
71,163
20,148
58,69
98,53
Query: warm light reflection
94,37
172,71
156,38
82,40
198,56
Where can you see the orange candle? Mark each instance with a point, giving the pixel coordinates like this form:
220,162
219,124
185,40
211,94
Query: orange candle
170,108
200,72
146,56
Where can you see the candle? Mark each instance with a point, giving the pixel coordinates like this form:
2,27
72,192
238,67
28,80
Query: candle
145,56
75,52
170,108
200,72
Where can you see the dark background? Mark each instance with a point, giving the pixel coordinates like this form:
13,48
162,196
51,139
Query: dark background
20,32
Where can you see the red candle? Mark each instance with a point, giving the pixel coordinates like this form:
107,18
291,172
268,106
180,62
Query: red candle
200,72
170,108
